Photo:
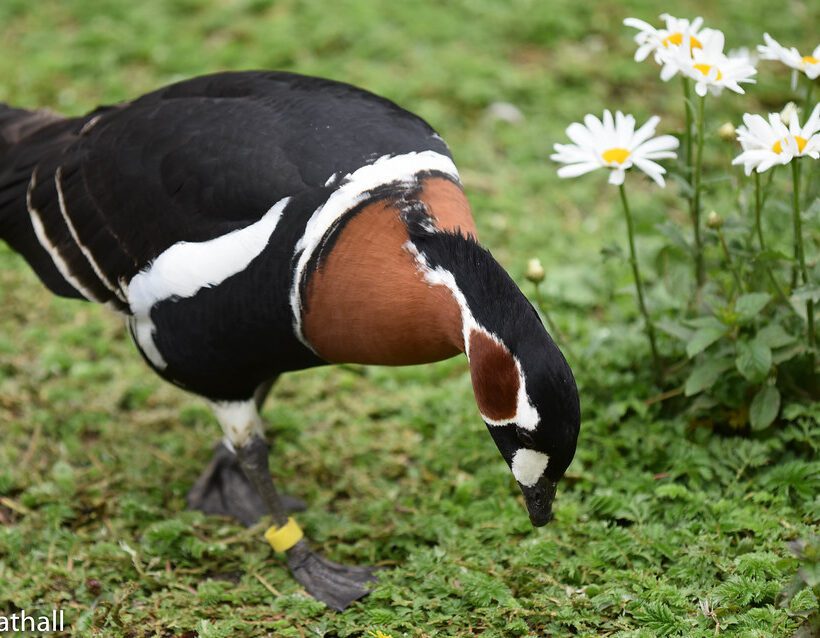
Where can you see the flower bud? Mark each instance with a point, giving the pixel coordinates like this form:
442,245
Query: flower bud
714,221
727,132
789,111
535,271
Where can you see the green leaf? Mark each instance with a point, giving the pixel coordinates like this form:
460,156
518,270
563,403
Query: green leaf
806,292
782,355
675,329
701,322
774,336
705,336
684,187
705,374
749,306
772,256
802,295
673,233
754,359
765,407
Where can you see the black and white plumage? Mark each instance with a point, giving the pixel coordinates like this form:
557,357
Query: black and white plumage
249,224
110,192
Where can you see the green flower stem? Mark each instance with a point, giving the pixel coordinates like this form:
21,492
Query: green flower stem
767,187
801,257
687,134
760,200
729,261
633,260
809,179
695,206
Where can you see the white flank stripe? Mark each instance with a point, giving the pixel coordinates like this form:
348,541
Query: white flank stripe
58,178
187,267
356,188
142,329
51,249
526,416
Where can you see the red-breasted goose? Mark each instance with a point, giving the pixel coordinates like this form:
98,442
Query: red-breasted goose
249,224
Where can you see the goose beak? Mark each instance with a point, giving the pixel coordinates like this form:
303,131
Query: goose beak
539,499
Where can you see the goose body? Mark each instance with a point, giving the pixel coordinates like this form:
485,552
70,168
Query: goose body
250,224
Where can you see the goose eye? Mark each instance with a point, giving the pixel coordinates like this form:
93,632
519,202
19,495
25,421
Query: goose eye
526,438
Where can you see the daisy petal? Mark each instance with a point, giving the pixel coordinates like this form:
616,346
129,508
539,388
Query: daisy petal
574,170
616,177
646,131
662,143
635,23
594,125
580,134
643,51
655,171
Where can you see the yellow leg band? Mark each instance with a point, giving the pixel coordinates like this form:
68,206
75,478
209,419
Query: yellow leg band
285,537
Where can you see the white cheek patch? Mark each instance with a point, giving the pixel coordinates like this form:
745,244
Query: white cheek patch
528,466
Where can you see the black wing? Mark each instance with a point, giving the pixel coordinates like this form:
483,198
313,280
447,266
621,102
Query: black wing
111,191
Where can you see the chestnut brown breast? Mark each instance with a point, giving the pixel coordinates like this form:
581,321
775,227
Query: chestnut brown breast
368,302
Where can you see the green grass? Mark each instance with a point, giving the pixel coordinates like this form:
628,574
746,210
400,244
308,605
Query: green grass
664,527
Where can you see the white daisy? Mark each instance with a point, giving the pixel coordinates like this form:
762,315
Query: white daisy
614,144
708,66
789,112
766,144
773,50
649,39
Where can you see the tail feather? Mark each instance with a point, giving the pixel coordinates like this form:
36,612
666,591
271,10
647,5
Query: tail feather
17,124
18,160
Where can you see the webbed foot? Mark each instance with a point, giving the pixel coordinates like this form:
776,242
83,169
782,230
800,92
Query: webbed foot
224,489
335,585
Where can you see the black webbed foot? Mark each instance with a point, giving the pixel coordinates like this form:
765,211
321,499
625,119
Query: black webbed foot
335,585
224,489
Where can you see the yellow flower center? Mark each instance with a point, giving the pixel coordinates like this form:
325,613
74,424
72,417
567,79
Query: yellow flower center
777,147
810,59
615,155
677,40
706,68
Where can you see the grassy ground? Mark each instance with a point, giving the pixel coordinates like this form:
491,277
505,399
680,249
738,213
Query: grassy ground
662,527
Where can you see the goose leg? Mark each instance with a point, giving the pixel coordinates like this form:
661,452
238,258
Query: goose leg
335,585
224,489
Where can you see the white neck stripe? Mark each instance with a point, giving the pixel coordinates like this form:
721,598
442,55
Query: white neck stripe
526,416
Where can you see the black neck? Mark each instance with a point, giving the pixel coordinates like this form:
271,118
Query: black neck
498,306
